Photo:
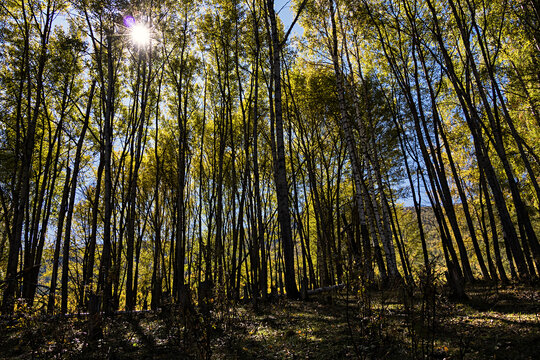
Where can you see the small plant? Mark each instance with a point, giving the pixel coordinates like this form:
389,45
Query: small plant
421,313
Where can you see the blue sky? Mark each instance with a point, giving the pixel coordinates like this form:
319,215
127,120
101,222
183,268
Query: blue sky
282,7
286,14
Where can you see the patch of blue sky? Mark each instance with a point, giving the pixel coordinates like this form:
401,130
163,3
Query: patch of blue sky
286,12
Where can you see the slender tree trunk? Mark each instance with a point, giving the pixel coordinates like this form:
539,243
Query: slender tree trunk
282,189
57,246
22,192
346,130
484,231
105,271
473,121
495,238
71,206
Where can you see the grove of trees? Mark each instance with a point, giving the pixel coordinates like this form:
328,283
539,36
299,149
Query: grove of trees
393,140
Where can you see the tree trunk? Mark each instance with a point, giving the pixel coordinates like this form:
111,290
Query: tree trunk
282,189
56,256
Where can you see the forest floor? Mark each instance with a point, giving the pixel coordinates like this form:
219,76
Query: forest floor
495,323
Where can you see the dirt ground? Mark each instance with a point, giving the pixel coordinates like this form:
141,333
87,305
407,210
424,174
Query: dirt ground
495,323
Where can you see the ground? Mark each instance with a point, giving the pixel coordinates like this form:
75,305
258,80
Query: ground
495,323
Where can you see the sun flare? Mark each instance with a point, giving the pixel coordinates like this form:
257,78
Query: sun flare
140,35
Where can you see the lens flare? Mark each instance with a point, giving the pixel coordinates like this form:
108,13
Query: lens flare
140,34
129,21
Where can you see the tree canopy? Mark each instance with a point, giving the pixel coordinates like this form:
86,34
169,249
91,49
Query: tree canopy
152,150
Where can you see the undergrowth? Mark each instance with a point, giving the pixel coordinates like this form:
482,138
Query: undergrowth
411,321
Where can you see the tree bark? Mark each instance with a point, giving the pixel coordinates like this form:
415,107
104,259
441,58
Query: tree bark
282,189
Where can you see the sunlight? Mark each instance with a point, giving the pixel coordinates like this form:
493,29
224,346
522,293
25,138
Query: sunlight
140,35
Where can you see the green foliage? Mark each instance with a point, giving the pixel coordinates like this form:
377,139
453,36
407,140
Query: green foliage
182,112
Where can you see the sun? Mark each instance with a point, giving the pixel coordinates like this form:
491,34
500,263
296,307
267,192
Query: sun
140,34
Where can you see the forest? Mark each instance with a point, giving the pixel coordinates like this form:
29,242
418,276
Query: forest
269,179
